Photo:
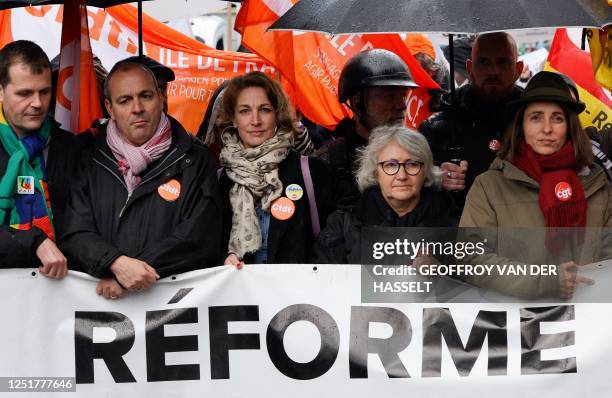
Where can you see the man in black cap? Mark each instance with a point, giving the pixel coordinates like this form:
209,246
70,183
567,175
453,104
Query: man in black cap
162,73
466,135
374,85
144,204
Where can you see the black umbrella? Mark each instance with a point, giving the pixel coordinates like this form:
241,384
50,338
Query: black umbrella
6,4
444,16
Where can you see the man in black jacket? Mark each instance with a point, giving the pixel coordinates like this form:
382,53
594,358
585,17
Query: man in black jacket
146,203
465,138
37,161
374,85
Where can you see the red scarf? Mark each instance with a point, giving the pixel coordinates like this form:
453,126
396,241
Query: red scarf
561,197
555,173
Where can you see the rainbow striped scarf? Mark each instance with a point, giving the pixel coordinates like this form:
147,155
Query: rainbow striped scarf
24,198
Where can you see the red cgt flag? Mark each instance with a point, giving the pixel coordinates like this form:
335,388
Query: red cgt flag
78,102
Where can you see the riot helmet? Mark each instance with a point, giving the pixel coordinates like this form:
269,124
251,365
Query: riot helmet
373,68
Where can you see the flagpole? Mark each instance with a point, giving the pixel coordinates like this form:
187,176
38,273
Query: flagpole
140,46
229,27
455,149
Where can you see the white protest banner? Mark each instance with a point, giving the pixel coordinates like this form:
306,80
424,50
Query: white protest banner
293,330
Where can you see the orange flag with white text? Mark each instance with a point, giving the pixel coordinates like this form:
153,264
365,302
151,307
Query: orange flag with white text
565,57
311,63
199,69
78,102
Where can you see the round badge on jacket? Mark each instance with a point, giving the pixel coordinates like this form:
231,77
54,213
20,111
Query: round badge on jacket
282,208
170,191
494,145
294,192
563,191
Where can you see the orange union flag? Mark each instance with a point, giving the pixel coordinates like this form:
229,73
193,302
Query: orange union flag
78,102
199,69
565,57
310,63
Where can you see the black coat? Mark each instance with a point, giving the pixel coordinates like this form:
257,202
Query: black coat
340,241
289,241
103,223
18,247
476,125
341,155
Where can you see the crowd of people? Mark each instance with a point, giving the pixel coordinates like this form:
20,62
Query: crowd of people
137,198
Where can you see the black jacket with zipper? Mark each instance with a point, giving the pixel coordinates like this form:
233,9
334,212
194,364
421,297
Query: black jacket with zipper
472,126
340,241
289,241
341,155
18,247
103,222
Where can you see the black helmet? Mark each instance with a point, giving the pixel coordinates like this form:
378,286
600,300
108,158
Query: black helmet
373,68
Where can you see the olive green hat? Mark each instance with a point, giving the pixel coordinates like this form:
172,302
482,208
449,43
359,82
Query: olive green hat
547,87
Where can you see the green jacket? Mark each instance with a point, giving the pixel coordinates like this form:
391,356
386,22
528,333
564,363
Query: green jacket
504,196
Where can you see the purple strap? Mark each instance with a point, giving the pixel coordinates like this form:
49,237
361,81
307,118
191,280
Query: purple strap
312,202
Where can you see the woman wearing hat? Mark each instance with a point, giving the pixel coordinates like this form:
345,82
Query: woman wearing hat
544,176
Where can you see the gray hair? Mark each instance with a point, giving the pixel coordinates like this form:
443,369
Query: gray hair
411,141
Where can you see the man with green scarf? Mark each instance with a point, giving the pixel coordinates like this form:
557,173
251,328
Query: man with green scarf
37,159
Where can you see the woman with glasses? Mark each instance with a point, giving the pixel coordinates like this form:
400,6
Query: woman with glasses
395,176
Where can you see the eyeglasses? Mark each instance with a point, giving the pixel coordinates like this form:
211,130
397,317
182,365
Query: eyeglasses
392,167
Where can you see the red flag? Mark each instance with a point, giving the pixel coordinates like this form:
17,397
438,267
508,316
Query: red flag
78,103
567,58
6,35
311,62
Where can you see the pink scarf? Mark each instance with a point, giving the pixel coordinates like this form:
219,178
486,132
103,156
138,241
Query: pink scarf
133,160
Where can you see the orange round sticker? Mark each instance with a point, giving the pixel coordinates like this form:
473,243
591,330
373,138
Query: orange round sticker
563,191
170,191
282,208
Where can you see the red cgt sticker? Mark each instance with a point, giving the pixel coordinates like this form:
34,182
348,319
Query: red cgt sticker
563,191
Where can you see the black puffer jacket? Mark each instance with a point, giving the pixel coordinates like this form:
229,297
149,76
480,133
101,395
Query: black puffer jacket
340,241
478,125
103,223
289,241
18,247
